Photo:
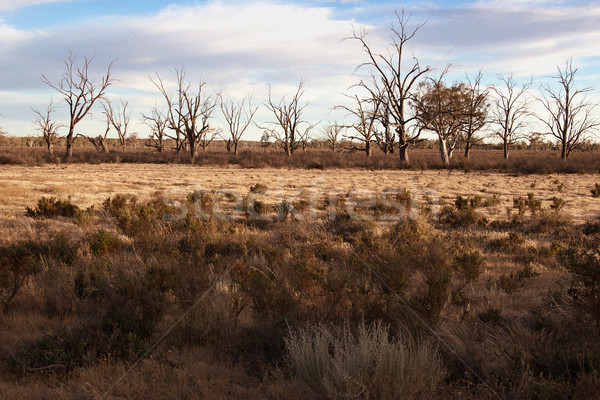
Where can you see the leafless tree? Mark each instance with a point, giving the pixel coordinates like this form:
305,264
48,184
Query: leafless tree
386,138
99,142
510,111
157,123
47,126
477,112
238,116
571,119
119,118
391,78
365,114
285,130
332,133
189,115
80,91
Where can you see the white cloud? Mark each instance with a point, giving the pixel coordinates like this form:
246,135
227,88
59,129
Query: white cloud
15,4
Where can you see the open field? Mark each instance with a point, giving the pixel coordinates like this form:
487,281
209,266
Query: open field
401,284
90,184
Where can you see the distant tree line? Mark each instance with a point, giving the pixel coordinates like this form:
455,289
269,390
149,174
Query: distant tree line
390,110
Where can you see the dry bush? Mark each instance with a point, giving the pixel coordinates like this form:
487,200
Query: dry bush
368,364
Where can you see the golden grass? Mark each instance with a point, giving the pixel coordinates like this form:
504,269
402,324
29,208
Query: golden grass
91,184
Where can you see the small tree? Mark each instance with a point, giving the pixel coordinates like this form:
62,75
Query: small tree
157,123
99,142
570,117
119,119
80,91
238,116
285,130
365,115
47,127
332,133
444,110
476,113
510,110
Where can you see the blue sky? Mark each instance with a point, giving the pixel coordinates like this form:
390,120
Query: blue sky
236,46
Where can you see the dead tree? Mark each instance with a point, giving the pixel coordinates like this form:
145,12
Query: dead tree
99,142
510,111
365,114
80,91
386,139
157,123
388,78
285,130
119,118
47,127
189,116
570,117
477,112
332,133
238,116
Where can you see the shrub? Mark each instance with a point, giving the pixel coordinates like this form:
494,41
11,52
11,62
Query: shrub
104,242
557,203
84,217
52,207
17,264
370,365
584,264
596,190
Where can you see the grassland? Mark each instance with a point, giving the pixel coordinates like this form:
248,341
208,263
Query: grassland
477,284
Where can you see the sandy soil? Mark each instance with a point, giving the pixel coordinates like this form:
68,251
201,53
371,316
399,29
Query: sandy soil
22,186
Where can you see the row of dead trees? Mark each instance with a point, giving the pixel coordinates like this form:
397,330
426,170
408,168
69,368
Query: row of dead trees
391,109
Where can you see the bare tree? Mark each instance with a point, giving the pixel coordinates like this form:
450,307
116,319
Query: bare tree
477,112
80,91
365,121
119,118
570,113
48,127
386,139
157,123
444,110
238,116
388,77
510,111
285,130
99,142
332,133
190,114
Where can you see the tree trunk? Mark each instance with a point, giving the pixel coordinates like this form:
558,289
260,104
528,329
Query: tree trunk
368,148
235,150
403,151
444,152
564,154
467,150
505,148
69,152
50,149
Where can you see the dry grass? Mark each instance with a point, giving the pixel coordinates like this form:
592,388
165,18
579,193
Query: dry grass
111,285
91,184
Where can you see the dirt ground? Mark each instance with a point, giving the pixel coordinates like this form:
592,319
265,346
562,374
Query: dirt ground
87,185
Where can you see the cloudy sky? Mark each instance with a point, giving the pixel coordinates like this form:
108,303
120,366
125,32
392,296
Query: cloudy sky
237,46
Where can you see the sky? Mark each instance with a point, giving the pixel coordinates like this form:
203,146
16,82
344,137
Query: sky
236,47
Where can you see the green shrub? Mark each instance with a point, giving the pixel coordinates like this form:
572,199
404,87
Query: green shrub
104,241
84,217
52,207
368,365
